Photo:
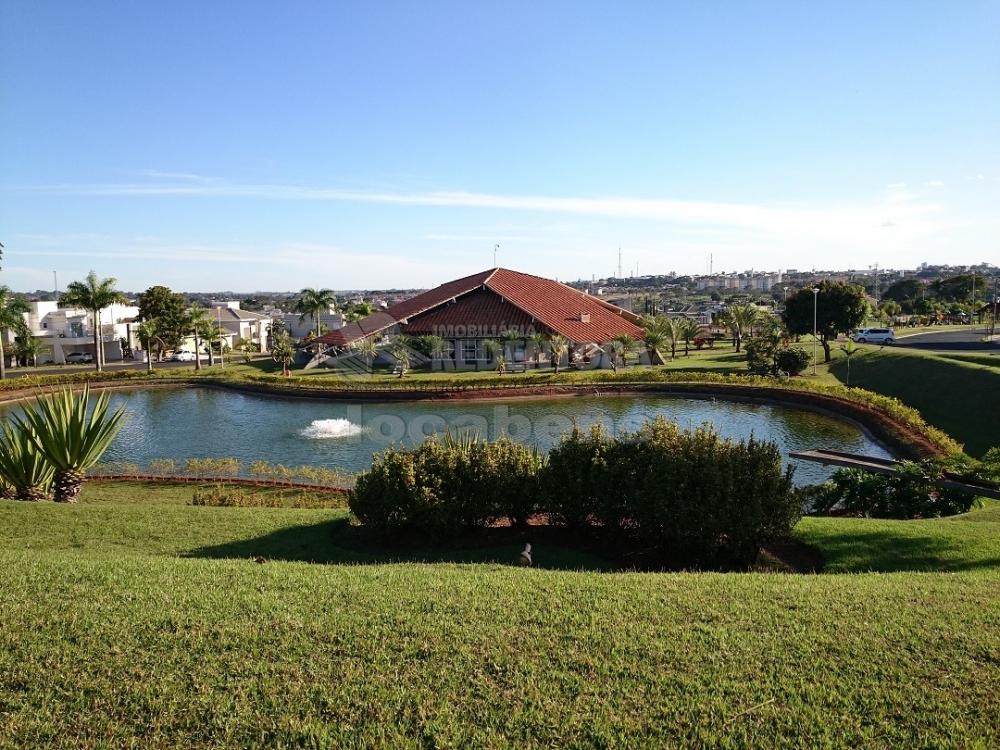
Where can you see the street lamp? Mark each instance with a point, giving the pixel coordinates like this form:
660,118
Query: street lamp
815,304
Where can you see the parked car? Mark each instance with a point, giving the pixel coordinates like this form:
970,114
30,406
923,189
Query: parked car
76,358
183,357
874,336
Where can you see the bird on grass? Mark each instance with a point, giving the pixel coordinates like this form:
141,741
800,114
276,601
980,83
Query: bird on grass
524,560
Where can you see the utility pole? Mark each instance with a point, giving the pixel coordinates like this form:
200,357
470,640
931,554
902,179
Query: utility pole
495,248
55,283
815,305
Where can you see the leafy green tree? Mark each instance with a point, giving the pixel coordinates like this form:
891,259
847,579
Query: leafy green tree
93,294
358,311
12,311
958,288
26,349
71,439
170,311
839,308
313,303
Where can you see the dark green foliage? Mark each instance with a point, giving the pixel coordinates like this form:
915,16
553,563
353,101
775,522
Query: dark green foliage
169,310
662,494
840,308
444,487
909,492
674,496
792,360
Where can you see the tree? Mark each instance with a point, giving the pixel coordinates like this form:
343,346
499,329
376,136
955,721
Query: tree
148,336
891,308
26,350
622,346
12,311
839,308
282,351
559,346
400,351
689,330
539,342
70,439
197,321
436,348
672,332
367,349
739,318
359,310
313,303
93,294
169,309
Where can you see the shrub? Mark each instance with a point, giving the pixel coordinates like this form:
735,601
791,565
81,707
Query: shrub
443,487
212,467
792,360
680,497
908,492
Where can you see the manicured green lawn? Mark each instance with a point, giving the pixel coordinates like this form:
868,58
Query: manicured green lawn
121,627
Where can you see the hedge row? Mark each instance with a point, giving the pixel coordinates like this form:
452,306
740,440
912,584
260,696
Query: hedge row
661,495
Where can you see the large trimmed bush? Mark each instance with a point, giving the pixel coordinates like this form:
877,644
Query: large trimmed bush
673,496
446,486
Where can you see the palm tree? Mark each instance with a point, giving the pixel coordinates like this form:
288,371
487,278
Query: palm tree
313,302
689,330
12,312
654,339
436,347
367,349
672,330
400,351
211,332
559,347
197,319
493,348
282,350
148,335
740,320
69,438
539,341
623,346
93,294
23,469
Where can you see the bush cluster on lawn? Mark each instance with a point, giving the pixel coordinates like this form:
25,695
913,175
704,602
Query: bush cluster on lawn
667,495
909,492
447,486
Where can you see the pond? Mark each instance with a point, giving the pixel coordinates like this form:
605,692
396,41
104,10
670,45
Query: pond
205,423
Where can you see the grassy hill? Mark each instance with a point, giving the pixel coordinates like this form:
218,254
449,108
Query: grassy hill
959,394
123,627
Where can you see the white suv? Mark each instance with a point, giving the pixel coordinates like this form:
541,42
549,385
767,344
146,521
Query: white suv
874,336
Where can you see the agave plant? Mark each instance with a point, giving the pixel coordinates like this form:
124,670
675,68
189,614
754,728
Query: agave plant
70,439
24,472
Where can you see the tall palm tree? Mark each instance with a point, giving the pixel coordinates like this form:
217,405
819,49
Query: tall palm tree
197,319
689,330
740,320
12,312
282,351
672,330
312,303
654,339
70,439
559,346
93,294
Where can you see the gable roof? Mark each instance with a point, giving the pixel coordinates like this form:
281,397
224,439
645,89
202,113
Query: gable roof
578,316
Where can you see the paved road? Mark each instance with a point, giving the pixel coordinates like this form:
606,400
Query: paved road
950,341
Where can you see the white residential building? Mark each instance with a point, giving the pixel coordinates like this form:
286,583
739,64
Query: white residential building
64,330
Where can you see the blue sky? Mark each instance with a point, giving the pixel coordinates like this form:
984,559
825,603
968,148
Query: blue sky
273,145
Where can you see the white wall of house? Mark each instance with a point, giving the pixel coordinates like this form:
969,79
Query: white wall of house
62,331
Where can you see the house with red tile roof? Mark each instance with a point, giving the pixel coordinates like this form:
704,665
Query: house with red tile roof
495,304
